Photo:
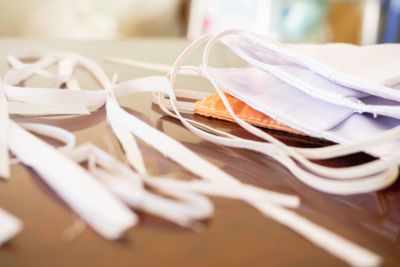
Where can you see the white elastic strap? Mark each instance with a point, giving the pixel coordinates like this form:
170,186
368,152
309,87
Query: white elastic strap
229,191
33,69
30,109
42,62
53,132
125,137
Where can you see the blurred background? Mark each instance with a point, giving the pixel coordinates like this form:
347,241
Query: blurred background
352,21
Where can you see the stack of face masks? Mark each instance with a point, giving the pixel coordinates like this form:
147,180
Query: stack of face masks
340,92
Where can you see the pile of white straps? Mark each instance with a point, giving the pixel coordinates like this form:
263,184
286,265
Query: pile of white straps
102,194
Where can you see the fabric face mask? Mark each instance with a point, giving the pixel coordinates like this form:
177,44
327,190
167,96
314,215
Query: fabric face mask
361,78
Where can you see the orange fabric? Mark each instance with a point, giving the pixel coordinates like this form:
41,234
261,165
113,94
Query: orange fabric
213,106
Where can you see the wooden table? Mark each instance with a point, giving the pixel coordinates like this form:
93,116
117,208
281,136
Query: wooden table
238,235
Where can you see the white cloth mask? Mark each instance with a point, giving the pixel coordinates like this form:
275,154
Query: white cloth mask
361,78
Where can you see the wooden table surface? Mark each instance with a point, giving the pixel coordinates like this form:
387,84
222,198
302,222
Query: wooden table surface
237,235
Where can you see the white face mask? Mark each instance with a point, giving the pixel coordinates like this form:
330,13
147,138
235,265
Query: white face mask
331,72
331,91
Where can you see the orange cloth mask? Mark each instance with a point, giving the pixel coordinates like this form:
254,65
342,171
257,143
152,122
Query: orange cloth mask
212,106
